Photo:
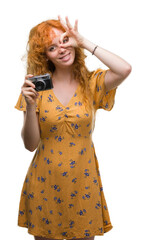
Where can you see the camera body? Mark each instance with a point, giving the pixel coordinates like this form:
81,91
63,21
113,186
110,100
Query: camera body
42,82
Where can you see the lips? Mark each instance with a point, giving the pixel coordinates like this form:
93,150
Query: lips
65,57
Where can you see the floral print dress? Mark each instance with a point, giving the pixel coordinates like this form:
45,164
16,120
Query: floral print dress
62,195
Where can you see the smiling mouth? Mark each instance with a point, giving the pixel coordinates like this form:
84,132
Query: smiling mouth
64,56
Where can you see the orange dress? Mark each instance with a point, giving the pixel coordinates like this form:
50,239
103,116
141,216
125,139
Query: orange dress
62,195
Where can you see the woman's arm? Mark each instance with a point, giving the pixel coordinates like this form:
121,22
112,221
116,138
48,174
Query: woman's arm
31,131
119,68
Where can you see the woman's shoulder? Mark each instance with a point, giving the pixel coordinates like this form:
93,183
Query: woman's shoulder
93,79
97,72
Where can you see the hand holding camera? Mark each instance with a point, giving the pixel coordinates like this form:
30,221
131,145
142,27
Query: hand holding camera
28,91
33,84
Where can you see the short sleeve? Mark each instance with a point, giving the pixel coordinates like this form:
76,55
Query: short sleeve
102,98
21,103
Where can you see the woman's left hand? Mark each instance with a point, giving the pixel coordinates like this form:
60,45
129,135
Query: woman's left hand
71,38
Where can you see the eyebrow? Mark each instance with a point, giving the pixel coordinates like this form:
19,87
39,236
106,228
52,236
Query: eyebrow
51,44
56,38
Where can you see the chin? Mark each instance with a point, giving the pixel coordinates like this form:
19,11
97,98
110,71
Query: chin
67,63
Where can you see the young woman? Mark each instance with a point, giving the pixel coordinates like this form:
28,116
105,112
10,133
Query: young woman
62,195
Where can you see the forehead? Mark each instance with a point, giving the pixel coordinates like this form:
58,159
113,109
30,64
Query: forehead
55,35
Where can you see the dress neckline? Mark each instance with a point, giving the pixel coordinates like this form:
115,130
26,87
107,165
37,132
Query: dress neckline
65,106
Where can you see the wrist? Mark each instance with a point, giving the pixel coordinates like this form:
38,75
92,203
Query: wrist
88,45
31,107
81,41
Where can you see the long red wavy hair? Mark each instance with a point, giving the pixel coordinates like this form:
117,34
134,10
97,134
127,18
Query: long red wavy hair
39,38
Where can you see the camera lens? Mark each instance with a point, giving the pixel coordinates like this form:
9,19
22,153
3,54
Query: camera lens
40,85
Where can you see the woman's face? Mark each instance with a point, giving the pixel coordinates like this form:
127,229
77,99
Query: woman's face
61,57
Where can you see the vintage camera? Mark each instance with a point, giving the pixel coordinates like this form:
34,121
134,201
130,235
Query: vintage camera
42,82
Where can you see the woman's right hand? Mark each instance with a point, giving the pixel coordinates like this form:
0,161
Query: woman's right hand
29,92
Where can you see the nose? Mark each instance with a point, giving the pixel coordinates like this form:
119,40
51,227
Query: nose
61,50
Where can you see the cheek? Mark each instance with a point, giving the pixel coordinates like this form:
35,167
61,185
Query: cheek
73,54
51,56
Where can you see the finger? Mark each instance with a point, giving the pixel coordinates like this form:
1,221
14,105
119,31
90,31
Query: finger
65,45
28,76
29,94
62,22
66,41
63,35
28,83
68,23
30,89
76,25
30,100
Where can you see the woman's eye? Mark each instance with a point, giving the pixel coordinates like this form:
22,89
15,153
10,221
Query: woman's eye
51,49
65,39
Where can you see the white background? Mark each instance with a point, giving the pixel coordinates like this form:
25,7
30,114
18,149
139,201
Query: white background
119,136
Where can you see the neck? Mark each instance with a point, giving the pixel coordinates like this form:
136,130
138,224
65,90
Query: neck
63,75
